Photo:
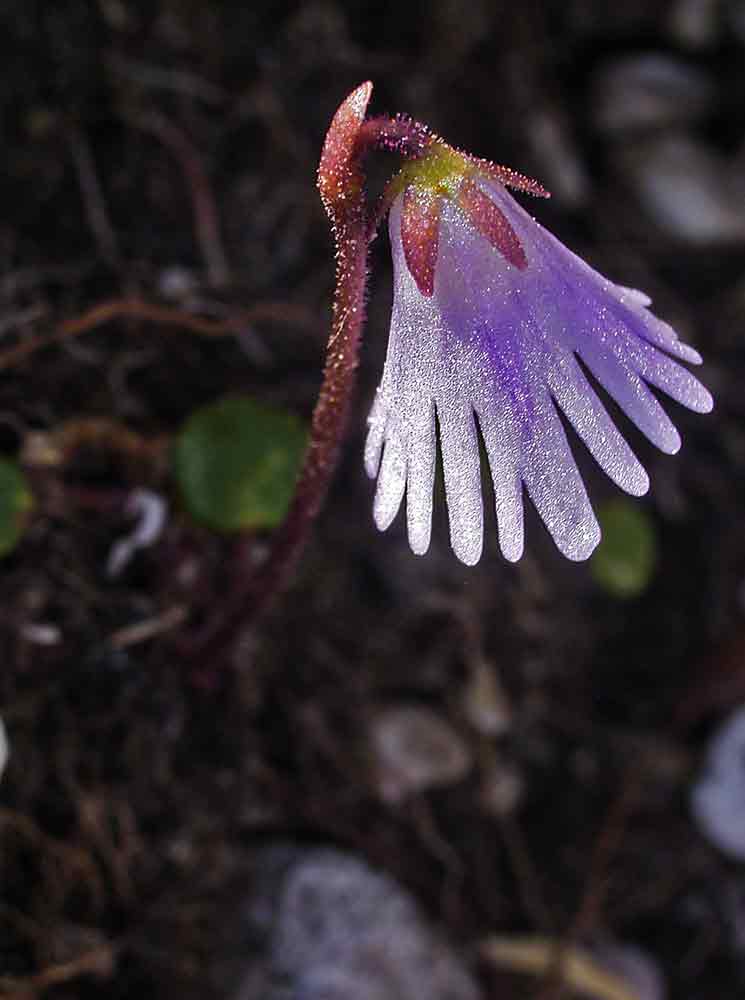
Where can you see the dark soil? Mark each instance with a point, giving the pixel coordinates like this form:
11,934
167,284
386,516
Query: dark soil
141,780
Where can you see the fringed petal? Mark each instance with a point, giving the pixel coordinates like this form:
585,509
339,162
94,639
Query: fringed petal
462,473
498,338
579,402
554,484
391,483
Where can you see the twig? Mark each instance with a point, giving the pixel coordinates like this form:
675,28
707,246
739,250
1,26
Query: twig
71,859
580,973
606,847
22,317
93,199
97,962
206,221
597,881
156,78
718,683
132,635
131,308
51,448
527,879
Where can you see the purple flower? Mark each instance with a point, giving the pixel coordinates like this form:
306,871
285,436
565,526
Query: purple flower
490,316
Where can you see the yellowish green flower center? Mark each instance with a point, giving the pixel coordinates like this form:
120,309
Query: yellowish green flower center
440,171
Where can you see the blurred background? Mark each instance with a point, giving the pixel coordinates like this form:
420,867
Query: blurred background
412,779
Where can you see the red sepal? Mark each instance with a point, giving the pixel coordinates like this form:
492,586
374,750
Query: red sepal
487,219
420,223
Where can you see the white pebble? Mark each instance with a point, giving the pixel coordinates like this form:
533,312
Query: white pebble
636,967
415,749
695,23
648,91
150,510
718,796
502,789
4,747
692,193
485,703
176,283
41,633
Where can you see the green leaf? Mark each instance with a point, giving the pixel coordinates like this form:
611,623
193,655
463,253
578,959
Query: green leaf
16,502
236,462
626,558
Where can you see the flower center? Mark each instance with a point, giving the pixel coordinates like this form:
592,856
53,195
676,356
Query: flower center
439,171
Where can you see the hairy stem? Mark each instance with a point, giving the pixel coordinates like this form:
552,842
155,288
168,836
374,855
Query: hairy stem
341,185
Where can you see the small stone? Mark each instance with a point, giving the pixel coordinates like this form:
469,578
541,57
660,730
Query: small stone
485,703
558,158
718,796
692,194
502,789
415,749
648,91
41,633
695,23
177,283
326,926
634,966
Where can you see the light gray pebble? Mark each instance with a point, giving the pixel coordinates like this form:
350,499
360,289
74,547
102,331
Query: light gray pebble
557,156
4,748
718,796
177,283
331,928
414,748
693,194
636,967
648,91
696,24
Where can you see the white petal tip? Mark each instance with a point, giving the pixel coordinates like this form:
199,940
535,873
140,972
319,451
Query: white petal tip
581,545
512,553
384,516
690,355
704,403
468,558
580,555
419,542
673,446
633,296
373,451
639,485
468,547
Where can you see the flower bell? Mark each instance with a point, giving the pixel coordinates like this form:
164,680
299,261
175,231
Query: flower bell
490,316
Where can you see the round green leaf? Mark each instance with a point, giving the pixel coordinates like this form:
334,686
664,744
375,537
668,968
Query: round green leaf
236,462
16,502
625,560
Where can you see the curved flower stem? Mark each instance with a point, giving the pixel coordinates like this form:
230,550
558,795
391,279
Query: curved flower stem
331,413
341,185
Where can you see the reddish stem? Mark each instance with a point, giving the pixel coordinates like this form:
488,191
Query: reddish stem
341,185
